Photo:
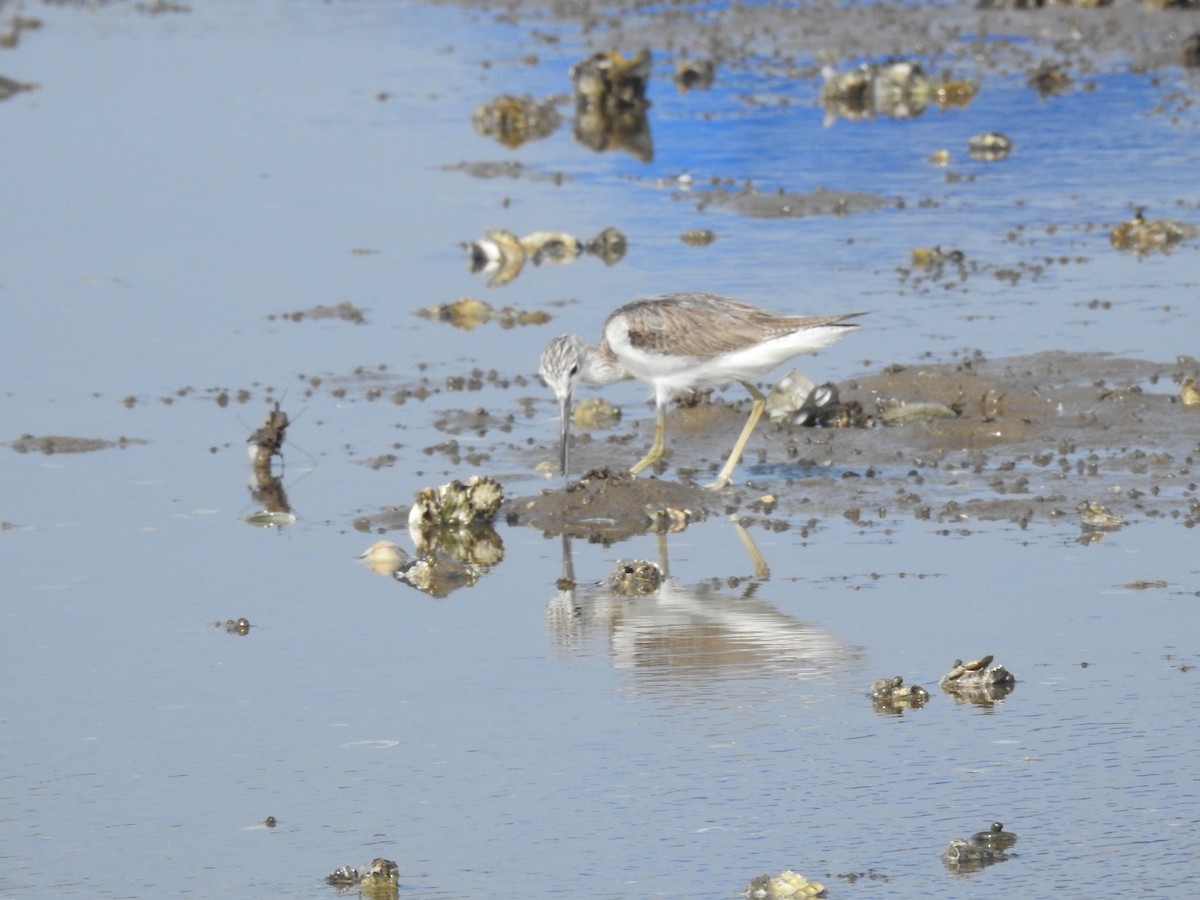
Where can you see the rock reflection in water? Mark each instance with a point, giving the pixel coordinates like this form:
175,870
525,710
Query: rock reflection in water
896,89
681,637
611,104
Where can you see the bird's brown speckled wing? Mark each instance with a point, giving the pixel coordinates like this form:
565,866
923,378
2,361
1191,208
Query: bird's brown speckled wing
701,325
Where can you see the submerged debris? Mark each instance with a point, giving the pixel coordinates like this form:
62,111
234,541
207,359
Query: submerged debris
346,311
377,880
502,255
963,856
698,237
383,557
595,412
1095,517
465,312
897,89
1049,78
668,518
438,573
609,246
989,146
1141,235
786,884
1189,393
995,837
551,247
611,104
985,848
239,627
935,259
513,120
343,876
694,73
498,253
908,412
50,444
978,681
468,313
893,695
636,579
608,80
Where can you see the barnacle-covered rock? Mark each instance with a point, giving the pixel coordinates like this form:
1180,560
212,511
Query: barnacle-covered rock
1189,393
636,578
595,412
438,574
898,89
608,80
456,504
1095,517
995,837
893,695
610,245
978,681
787,884
498,253
513,120
611,104
989,146
1141,235
962,855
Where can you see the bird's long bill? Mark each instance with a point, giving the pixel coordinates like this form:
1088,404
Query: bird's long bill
564,434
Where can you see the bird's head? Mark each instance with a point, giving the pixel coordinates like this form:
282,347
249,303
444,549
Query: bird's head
561,367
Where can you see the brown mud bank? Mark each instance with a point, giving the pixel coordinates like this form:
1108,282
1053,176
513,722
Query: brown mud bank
1042,438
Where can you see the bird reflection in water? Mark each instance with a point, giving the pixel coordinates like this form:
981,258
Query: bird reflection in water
673,635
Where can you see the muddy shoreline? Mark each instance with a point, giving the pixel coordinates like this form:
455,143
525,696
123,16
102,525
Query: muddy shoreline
1038,436
1085,38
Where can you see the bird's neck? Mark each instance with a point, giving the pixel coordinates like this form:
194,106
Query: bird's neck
600,366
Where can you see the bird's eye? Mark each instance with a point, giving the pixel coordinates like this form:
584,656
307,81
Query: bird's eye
574,370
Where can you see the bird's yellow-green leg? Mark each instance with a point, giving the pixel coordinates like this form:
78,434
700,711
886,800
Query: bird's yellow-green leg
756,411
660,441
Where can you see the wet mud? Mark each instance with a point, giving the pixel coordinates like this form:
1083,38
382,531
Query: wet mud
50,444
1032,439
1035,438
1000,37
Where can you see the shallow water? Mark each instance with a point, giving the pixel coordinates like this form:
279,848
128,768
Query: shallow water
181,182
